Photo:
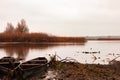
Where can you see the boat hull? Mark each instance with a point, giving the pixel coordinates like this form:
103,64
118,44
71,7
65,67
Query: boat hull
32,68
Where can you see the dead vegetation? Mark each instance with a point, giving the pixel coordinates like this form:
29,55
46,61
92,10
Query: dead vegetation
21,33
37,38
77,71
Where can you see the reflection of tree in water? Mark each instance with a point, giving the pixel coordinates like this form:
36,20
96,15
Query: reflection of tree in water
22,50
9,51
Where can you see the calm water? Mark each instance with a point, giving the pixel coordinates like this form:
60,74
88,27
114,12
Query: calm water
108,50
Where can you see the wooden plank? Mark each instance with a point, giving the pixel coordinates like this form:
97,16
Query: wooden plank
30,64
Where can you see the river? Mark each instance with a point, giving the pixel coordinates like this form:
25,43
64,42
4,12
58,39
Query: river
92,52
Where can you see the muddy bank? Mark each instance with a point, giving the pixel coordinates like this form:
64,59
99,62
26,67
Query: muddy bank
68,69
77,71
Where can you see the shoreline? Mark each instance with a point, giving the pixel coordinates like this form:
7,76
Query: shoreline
78,71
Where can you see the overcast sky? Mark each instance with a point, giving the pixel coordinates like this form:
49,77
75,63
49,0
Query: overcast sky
64,17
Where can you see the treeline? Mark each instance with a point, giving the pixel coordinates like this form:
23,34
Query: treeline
21,34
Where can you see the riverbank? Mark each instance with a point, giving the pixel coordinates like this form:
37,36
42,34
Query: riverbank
78,71
68,70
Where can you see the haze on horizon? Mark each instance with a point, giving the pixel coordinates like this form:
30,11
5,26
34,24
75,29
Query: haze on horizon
64,17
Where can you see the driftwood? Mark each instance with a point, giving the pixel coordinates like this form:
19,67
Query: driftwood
113,60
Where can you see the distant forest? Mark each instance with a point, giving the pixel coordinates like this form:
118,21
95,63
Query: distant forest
21,34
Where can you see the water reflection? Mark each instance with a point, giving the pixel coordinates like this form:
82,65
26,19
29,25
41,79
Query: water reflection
21,51
90,53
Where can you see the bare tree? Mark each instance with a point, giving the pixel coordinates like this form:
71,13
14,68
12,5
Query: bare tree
9,28
22,27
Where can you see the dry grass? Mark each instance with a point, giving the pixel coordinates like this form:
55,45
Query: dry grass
77,71
37,37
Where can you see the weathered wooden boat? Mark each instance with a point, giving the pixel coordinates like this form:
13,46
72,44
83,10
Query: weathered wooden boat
32,67
7,65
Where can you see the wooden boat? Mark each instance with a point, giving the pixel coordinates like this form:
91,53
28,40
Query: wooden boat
32,67
7,65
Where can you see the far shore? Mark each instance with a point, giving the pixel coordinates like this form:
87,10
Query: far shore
37,38
40,43
106,39
101,38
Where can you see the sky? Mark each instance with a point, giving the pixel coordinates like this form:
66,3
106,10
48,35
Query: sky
64,17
